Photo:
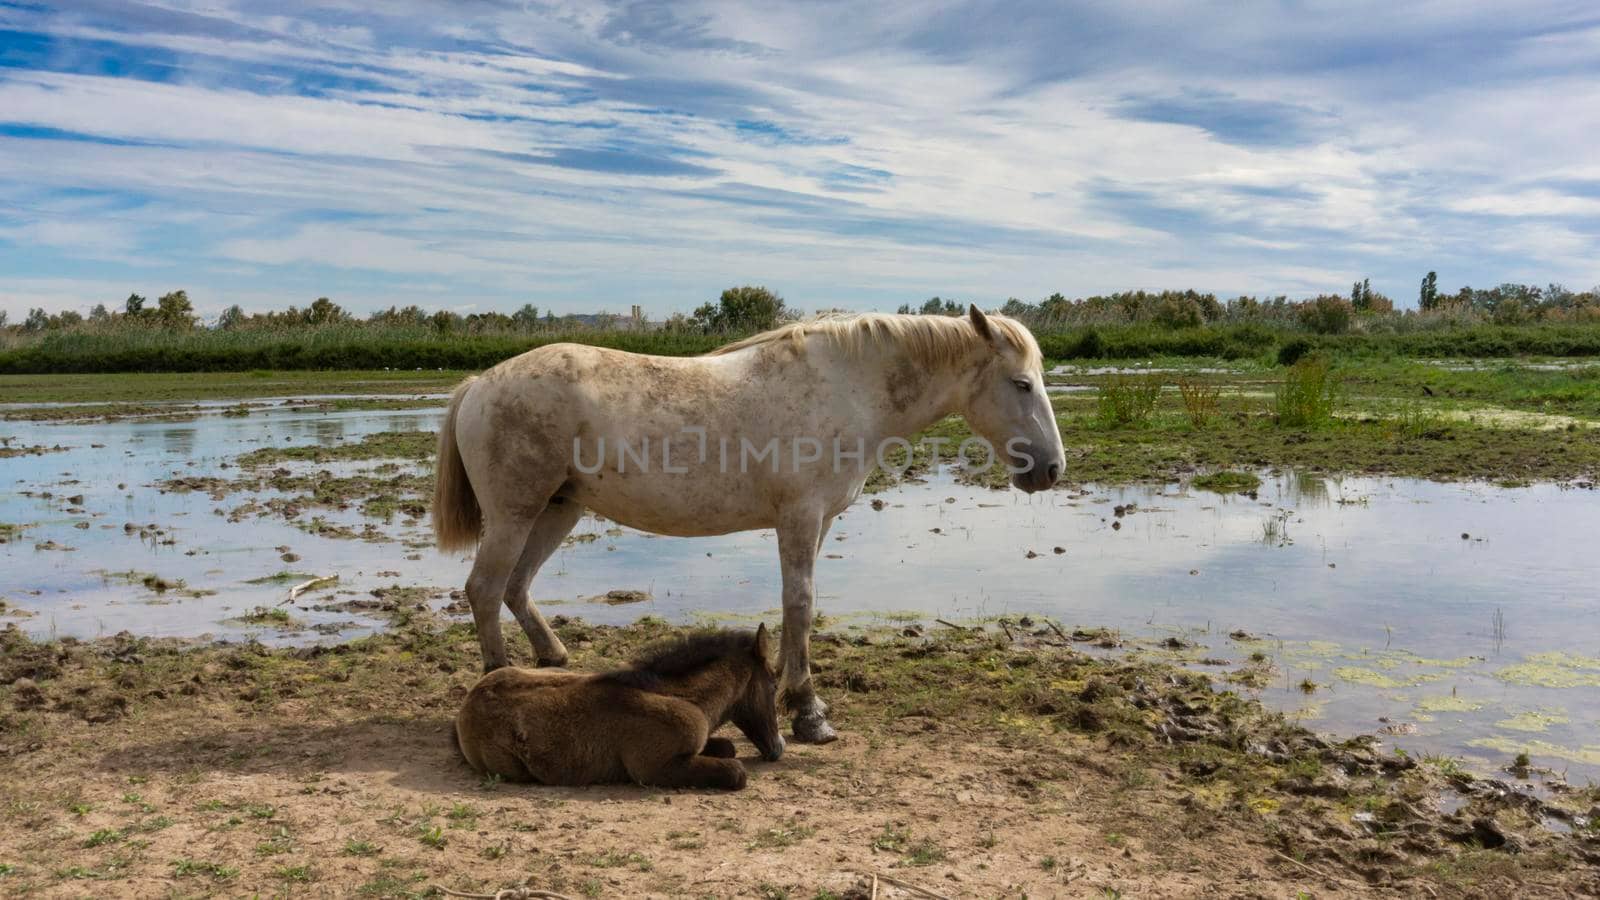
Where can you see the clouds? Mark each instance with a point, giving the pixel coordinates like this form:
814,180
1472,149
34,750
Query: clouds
583,155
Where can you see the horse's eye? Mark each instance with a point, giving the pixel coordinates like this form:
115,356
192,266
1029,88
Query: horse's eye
1023,385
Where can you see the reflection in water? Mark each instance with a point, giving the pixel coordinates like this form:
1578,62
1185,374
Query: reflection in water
328,431
1465,611
178,439
1302,488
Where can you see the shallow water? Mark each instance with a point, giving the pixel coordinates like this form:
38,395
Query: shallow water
1483,645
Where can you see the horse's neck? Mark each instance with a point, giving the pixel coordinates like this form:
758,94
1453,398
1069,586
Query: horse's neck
924,395
711,688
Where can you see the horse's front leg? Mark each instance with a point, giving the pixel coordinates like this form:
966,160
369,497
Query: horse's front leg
798,537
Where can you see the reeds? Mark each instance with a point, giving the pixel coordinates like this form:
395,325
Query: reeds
1128,399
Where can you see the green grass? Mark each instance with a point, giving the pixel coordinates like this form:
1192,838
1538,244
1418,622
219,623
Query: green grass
409,348
164,387
361,848
432,836
343,346
186,868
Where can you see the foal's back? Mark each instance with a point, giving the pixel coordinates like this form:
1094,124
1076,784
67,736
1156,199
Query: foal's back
554,727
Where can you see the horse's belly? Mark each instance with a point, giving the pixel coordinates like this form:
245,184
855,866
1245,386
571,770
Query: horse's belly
691,508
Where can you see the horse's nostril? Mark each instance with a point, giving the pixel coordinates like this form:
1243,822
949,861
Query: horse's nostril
1053,472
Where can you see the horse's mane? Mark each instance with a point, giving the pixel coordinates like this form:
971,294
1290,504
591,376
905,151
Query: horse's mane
933,341
682,655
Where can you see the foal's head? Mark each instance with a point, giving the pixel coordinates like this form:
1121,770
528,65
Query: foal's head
1006,402
744,678
756,711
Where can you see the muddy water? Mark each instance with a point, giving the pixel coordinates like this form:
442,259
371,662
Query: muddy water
1463,619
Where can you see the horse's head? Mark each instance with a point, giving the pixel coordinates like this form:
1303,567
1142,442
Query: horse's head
1006,404
756,711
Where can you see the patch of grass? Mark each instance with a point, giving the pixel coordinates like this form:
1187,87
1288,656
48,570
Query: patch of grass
617,859
187,868
432,836
892,839
280,842
685,840
361,848
1227,482
267,615
302,873
1447,765
105,836
462,815
786,834
924,853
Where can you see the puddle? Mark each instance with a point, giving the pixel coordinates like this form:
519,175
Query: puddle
1453,619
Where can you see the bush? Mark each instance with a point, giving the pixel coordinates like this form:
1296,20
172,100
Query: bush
1128,399
1291,352
1308,394
1201,400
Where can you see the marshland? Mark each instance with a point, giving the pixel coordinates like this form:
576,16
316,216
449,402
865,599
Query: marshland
1338,609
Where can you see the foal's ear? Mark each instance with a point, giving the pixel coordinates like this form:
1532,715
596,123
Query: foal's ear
763,644
979,321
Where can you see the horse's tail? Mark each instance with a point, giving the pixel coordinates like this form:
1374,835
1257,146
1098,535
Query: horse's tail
456,515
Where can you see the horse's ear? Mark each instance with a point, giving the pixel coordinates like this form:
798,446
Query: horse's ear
763,643
979,321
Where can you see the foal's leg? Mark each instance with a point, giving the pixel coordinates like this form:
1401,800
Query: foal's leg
499,548
548,532
799,535
693,771
721,748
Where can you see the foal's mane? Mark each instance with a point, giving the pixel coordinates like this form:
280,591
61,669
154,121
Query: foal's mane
933,341
682,655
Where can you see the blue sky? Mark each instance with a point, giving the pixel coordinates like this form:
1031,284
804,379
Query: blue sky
478,154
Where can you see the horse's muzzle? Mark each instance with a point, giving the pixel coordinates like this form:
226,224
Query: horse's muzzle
775,752
1039,477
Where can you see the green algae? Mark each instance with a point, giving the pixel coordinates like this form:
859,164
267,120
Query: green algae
1448,704
1587,755
1554,669
1536,721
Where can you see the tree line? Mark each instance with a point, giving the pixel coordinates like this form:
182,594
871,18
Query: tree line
749,308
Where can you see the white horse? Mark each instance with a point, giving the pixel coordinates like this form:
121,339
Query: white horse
777,431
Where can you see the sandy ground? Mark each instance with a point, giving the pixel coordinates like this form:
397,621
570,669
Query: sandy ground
134,772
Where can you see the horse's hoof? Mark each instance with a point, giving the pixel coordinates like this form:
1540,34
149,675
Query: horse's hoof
559,662
814,730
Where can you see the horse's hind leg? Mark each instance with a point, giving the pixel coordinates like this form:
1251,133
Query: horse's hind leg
548,532
499,549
